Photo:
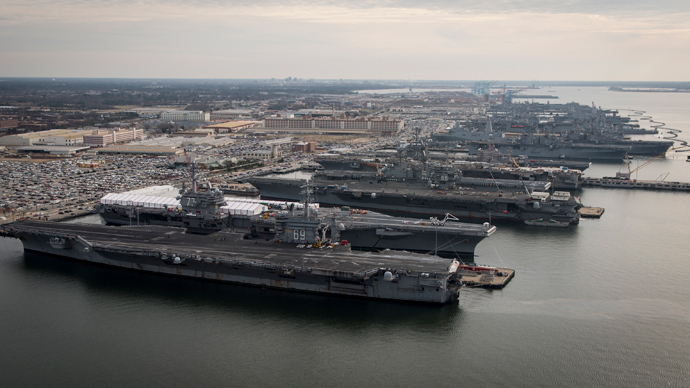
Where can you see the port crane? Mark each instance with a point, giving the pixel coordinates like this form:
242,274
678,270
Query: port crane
627,175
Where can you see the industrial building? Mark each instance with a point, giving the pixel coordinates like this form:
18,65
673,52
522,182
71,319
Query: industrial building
231,126
334,124
101,138
177,142
304,147
229,114
274,153
149,150
57,150
64,137
184,115
195,133
8,123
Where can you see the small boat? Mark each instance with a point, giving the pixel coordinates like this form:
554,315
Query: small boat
547,223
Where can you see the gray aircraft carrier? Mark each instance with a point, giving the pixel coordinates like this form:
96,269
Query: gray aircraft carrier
443,237
292,262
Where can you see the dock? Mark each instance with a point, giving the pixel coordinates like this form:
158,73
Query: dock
535,96
591,212
622,183
482,276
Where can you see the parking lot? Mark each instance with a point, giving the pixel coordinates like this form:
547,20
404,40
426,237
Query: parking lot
30,189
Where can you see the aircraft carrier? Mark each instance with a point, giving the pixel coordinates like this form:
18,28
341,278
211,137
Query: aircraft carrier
414,199
296,260
566,131
206,211
363,230
412,186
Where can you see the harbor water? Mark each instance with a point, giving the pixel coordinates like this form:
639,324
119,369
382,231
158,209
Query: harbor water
605,304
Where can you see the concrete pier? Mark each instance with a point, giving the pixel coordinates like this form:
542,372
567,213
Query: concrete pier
591,212
485,276
618,183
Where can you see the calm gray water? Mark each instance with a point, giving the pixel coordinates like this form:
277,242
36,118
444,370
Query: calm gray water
604,304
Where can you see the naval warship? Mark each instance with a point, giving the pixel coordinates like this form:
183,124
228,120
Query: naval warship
558,178
364,230
541,146
414,187
570,131
296,259
412,199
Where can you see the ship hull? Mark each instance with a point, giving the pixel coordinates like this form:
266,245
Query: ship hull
648,147
441,244
584,152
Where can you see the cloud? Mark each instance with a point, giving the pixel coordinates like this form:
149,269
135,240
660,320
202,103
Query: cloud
439,39
341,11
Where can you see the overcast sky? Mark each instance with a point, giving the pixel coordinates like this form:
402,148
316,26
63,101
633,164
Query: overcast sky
389,39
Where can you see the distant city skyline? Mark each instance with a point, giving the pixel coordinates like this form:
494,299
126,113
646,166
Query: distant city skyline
325,39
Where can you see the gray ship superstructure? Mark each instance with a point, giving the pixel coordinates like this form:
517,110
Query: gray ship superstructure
200,211
203,211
